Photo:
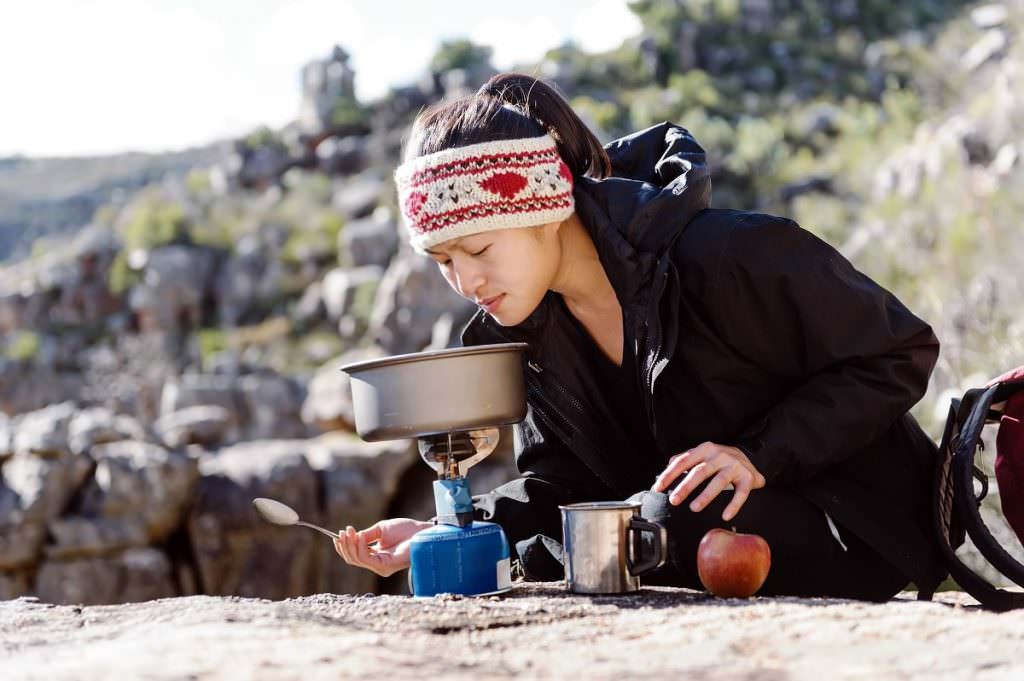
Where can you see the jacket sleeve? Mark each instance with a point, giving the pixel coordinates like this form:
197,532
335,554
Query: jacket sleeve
856,358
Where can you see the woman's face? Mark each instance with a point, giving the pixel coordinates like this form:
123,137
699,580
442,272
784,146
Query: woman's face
505,271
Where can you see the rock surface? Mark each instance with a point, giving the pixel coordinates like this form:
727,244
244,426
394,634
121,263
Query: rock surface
537,630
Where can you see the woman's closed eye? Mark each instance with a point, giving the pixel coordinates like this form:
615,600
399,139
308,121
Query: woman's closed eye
445,263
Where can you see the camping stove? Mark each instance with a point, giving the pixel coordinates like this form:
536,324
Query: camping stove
458,554
453,401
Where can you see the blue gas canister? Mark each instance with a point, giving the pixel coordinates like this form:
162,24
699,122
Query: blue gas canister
471,560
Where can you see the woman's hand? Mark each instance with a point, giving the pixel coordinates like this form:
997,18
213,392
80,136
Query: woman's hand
728,465
391,539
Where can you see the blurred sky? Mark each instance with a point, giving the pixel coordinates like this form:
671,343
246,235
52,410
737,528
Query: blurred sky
104,76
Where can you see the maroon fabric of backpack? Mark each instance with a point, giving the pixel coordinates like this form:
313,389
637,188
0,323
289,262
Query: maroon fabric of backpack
1010,455
957,504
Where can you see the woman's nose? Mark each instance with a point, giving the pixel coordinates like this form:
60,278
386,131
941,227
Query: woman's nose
468,279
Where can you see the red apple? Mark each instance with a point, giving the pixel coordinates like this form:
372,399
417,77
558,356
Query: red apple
733,564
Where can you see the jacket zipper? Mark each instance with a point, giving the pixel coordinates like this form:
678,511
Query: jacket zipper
565,393
648,380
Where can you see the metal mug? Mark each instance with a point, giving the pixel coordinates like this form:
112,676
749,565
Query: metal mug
602,546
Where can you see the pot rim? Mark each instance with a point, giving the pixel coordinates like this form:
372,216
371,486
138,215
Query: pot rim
429,355
602,506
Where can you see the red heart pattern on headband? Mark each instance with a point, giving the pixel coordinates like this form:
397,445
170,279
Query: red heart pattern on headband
507,185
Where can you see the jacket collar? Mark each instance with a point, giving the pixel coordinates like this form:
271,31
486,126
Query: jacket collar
659,181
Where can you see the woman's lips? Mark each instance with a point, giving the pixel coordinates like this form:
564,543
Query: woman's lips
492,304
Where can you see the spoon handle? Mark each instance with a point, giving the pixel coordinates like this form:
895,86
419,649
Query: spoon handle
318,529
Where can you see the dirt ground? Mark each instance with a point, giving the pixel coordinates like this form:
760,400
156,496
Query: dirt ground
535,631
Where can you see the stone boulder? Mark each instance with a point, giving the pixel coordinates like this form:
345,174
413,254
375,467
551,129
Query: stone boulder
141,480
26,386
14,584
99,425
989,16
175,280
250,277
340,286
35,490
310,307
6,437
20,546
328,404
134,575
74,537
258,166
357,195
204,424
359,482
325,82
411,298
44,432
236,551
993,44
342,155
271,403
194,390
369,241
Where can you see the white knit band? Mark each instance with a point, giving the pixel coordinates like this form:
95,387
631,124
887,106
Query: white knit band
491,185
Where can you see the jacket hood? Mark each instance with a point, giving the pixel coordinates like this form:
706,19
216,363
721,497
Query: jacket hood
659,182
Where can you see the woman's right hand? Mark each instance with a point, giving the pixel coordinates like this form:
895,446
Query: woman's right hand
390,550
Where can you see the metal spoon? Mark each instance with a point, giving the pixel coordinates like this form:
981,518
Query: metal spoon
282,514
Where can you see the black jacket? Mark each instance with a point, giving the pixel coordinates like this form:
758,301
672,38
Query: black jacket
747,330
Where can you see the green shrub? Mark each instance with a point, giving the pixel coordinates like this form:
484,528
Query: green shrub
211,341
154,222
261,137
121,277
606,115
23,345
349,112
197,182
460,54
824,215
362,301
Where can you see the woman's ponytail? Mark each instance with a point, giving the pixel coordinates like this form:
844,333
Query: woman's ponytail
577,145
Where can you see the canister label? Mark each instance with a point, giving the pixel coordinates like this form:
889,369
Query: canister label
504,573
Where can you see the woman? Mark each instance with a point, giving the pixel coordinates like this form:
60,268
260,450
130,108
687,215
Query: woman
724,368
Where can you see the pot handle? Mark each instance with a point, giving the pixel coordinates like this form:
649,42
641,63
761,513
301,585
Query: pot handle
646,564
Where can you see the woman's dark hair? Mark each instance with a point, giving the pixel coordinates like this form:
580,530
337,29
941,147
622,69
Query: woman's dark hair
509,106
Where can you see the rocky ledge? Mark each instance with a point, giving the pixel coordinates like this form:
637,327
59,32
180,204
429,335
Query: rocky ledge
536,630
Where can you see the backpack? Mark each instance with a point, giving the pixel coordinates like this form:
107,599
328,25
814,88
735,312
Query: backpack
956,505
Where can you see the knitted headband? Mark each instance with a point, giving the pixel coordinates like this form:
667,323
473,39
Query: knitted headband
491,185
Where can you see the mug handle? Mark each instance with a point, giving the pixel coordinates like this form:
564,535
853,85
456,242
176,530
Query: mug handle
660,546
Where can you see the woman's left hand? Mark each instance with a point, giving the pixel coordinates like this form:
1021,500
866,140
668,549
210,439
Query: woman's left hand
728,465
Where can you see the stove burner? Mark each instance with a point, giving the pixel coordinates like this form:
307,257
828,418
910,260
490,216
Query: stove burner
453,454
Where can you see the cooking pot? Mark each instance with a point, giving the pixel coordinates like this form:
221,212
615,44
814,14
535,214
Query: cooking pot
438,391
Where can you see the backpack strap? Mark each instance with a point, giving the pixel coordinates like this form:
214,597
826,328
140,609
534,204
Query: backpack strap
956,505
945,524
968,505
